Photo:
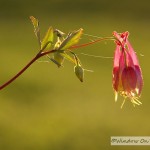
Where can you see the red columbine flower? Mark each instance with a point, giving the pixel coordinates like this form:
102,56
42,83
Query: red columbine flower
127,75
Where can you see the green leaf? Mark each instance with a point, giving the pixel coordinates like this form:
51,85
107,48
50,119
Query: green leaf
71,39
48,39
58,58
35,23
54,61
68,57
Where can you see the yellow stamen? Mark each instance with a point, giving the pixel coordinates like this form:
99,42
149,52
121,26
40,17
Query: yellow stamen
116,96
123,103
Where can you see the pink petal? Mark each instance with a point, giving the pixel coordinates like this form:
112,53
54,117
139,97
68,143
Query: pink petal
117,56
115,78
122,61
129,60
117,36
132,53
121,37
139,85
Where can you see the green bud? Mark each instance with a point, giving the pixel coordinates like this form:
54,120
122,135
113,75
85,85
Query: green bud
79,71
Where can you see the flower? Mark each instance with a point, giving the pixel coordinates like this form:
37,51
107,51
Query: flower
127,74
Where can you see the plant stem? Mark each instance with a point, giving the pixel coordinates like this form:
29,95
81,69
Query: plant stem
40,54
93,42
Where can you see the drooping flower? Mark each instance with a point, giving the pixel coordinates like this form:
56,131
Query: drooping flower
127,74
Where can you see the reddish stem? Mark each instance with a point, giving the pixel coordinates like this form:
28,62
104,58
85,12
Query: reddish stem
40,54
93,42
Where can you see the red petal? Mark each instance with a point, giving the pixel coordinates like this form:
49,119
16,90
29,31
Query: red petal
129,79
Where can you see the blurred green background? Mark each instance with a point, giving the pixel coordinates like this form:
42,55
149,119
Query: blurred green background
48,108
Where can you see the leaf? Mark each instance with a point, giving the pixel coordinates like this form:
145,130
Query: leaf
71,39
48,39
35,23
58,58
68,57
54,61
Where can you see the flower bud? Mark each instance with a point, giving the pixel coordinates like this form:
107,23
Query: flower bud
79,71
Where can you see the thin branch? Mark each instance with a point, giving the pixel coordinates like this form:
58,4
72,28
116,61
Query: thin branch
93,42
40,54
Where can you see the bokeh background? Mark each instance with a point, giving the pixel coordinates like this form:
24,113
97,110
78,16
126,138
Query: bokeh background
48,108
